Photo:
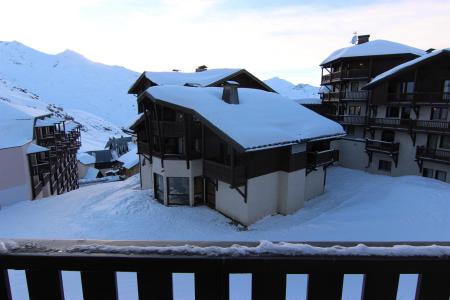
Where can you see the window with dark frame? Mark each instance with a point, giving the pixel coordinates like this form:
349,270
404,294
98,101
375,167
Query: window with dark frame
440,175
354,110
392,111
384,165
446,90
159,187
388,136
439,113
444,142
178,190
426,172
405,113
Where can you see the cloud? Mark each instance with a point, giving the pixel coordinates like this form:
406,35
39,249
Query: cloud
286,41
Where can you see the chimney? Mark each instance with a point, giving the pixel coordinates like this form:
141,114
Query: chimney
230,92
201,68
363,38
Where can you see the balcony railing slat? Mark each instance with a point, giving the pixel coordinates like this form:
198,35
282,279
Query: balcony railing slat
325,286
268,285
374,281
211,285
44,284
433,286
99,285
155,285
5,289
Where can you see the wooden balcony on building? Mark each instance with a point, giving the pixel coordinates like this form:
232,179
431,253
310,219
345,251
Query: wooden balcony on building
330,97
395,123
382,146
424,153
432,125
348,120
231,175
348,74
154,262
321,158
354,96
421,97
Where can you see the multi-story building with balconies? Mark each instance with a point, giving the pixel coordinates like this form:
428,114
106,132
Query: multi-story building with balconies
394,107
245,151
37,155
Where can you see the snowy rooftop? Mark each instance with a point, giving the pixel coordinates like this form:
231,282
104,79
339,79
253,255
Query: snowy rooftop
85,158
33,148
16,126
129,159
261,119
203,78
405,66
48,121
373,48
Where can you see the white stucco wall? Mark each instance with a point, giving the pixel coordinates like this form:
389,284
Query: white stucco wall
351,153
14,176
291,191
314,183
146,173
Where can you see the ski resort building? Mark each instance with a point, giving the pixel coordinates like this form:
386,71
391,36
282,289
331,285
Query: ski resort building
246,152
37,155
393,101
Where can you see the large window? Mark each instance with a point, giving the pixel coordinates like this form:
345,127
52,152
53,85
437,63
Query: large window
354,110
392,112
159,187
174,145
405,113
439,113
440,175
384,165
426,172
178,190
445,142
446,90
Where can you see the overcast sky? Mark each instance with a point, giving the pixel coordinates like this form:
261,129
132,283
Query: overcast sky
287,39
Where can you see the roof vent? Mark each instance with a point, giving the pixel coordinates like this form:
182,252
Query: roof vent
230,92
430,50
192,84
176,70
363,38
201,68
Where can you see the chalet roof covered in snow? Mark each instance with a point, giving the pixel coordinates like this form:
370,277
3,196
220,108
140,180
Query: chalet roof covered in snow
103,156
33,148
260,120
129,159
373,48
50,121
16,126
406,66
85,158
210,77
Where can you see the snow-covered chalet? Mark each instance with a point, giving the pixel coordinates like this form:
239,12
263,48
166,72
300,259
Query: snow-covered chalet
223,138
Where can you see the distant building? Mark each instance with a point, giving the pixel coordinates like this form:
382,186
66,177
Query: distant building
246,152
119,145
105,160
37,155
393,101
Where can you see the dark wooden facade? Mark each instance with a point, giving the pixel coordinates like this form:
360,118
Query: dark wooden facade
58,166
170,132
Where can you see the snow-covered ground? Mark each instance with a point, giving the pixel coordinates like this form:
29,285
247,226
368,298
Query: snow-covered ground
356,206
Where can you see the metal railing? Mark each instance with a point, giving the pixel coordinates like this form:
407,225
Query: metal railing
383,146
154,263
320,158
432,154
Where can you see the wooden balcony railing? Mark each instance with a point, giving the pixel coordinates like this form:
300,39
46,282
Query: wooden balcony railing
154,264
355,73
420,97
423,152
320,158
433,125
349,120
359,95
382,146
330,97
225,173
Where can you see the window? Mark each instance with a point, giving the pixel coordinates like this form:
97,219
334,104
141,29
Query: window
440,175
297,148
178,190
174,145
196,145
446,90
405,113
354,110
350,129
388,136
384,165
354,86
445,142
198,190
392,112
159,187
341,110
432,142
439,113
428,173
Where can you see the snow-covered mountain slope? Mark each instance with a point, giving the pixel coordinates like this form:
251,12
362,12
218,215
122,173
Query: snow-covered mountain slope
71,81
95,130
302,93
70,85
